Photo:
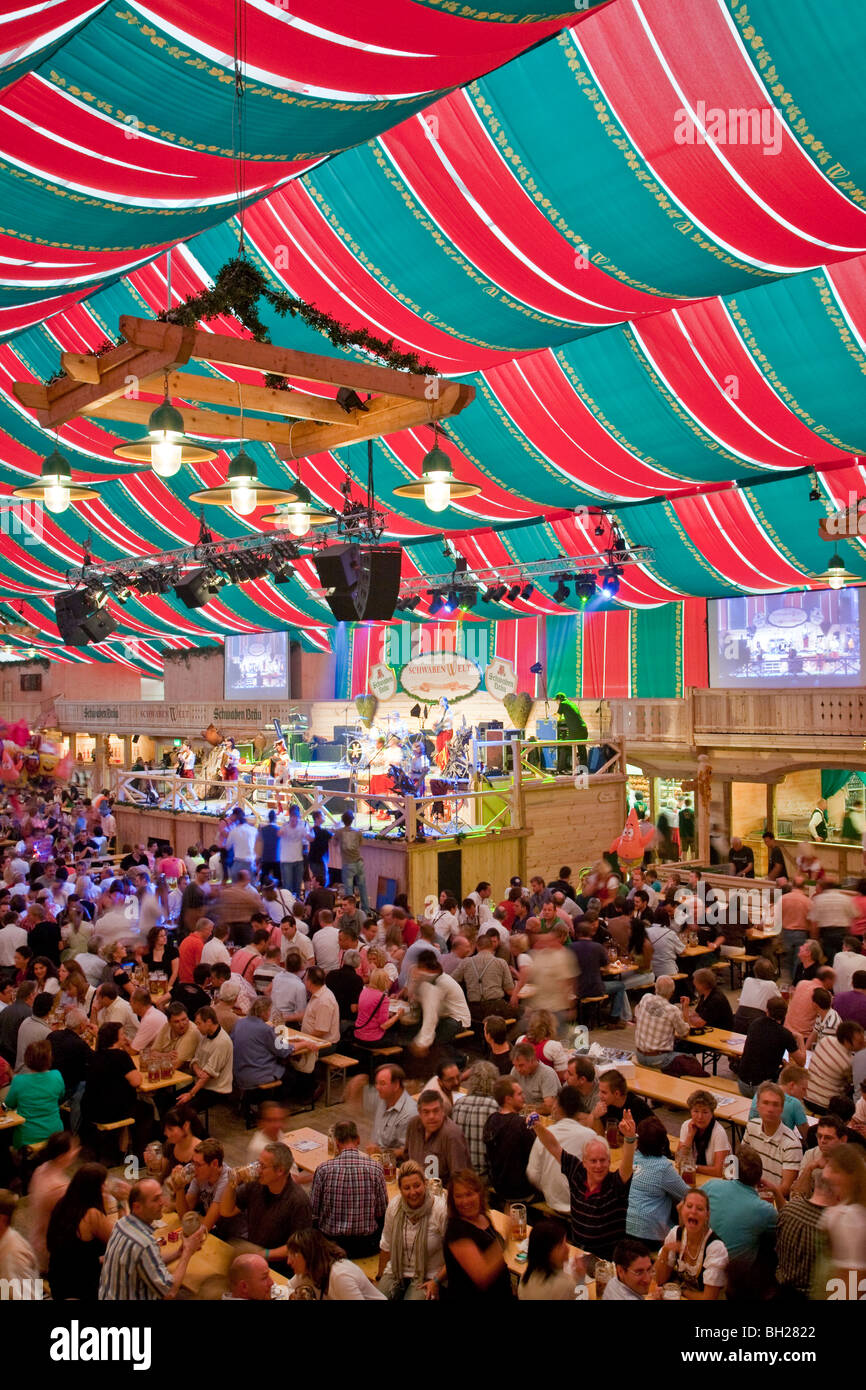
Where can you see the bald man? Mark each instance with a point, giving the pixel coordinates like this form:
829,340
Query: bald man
249,1279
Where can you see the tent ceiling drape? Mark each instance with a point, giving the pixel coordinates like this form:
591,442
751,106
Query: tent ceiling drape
639,232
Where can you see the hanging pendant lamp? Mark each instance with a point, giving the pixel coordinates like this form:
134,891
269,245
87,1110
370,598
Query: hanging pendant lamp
437,484
166,447
55,489
298,516
242,489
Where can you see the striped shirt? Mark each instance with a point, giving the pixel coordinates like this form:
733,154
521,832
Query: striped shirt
799,1242
829,1072
777,1152
597,1218
133,1267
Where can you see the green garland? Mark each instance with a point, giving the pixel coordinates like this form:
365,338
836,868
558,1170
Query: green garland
42,661
237,290
187,655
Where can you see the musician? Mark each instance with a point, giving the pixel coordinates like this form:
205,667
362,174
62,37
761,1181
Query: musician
419,767
185,761
231,761
280,762
570,725
444,731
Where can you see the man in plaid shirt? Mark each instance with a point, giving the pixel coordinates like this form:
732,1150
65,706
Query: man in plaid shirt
349,1196
657,1025
472,1111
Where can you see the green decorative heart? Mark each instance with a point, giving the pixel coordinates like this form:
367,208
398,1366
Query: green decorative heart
366,705
518,708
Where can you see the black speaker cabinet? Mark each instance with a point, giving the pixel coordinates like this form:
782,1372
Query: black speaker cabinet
365,581
195,590
79,621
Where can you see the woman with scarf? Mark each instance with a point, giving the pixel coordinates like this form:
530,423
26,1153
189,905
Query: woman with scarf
692,1255
411,1259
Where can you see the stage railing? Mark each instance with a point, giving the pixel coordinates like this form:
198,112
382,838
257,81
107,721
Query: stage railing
176,793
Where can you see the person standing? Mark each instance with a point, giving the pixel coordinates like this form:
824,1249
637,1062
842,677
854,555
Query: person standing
320,839
349,1197
349,842
294,841
241,844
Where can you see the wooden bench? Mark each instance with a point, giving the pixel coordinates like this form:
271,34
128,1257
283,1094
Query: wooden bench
594,1003
121,1129
336,1066
252,1096
740,966
368,1265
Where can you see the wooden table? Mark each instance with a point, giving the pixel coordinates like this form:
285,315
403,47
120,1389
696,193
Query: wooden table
177,1078
313,1044
675,1091
308,1159
11,1120
516,1266
207,1273
717,1042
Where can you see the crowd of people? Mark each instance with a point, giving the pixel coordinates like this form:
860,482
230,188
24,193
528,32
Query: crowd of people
473,1094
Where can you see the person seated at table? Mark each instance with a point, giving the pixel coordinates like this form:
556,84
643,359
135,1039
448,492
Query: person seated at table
657,1025
541,1031
495,1031
259,1055
599,1195
349,1196
711,1008
703,1136
321,1266
373,1018
547,1277
592,958
115,954
634,1271
183,1132
35,1028
411,1258
271,1129
827,1019
474,1250
538,1081
36,1094
640,948
196,995
614,1098
434,1141
543,1172
135,1267
794,1081
345,984
78,1234
150,1020
829,1130
580,1075
693,1256
276,1207
758,989
204,1191
654,1186
110,1092
830,1069
211,1064
739,1216
767,1041
778,1147
249,1279
177,1037
161,957
109,1007
44,972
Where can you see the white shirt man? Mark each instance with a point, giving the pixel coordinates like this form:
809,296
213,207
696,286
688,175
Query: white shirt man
293,939
242,840
288,995
11,938
485,912
845,964
326,948
215,952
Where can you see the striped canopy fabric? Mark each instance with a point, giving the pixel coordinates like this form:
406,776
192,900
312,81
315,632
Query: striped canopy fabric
637,228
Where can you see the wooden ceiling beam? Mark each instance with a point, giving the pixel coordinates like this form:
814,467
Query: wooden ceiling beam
216,391
384,416
114,382
210,424
266,357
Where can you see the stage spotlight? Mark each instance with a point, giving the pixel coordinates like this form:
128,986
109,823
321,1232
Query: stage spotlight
350,400
815,494
451,601
599,530
536,668
526,590
584,588
561,592
610,577
496,593
468,597
437,602
513,592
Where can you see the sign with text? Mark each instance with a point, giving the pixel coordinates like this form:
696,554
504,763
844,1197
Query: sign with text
382,682
430,677
500,678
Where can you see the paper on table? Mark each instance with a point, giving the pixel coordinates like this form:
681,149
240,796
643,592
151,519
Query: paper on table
725,1100
304,1145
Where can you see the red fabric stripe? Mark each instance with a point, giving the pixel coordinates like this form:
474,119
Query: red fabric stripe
606,655
695,664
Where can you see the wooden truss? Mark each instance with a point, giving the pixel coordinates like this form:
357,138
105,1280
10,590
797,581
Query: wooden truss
301,423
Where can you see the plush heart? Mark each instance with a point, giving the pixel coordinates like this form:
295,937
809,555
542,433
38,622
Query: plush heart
518,708
366,705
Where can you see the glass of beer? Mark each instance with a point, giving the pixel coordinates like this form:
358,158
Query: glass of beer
249,1172
517,1215
690,1174
153,1157
389,1167
332,1147
612,1135
435,1186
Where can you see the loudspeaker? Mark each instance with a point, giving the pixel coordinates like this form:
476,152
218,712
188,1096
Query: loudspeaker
79,620
365,581
195,590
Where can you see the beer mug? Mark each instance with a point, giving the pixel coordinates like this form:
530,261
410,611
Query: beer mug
332,1147
604,1272
435,1186
248,1172
671,1292
517,1215
191,1222
153,1157
389,1167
